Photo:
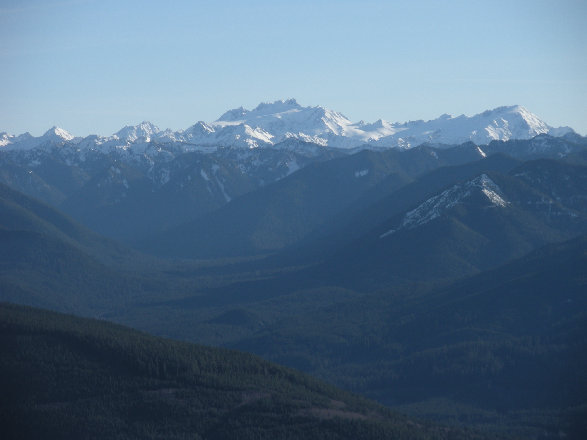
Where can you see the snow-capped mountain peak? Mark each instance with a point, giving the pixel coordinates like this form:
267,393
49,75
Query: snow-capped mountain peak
435,206
236,114
501,123
275,107
285,119
25,141
57,134
262,114
200,128
5,139
515,121
131,133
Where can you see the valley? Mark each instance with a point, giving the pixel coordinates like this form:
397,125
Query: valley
445,281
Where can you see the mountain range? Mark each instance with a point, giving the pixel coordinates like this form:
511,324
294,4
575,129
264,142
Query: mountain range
270,124
444,279
142,181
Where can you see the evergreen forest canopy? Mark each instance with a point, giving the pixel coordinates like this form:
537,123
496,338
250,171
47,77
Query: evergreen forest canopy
67,377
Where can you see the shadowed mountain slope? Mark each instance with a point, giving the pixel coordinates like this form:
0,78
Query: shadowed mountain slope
283,213
505,348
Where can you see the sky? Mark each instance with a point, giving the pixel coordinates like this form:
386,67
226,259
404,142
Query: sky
92,67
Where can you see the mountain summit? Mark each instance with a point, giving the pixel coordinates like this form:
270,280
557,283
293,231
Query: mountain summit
264,108
131,133
58,134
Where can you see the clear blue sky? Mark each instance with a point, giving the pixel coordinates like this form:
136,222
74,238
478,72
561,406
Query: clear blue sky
94,66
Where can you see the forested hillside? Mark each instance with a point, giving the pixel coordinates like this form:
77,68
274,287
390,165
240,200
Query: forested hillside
66,377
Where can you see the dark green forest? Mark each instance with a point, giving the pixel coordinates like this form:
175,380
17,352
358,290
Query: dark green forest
67,377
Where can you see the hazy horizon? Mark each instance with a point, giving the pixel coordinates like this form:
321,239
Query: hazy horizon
93,67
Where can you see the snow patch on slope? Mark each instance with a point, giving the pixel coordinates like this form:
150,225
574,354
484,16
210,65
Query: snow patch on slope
437,205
